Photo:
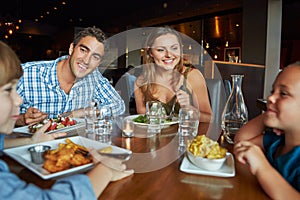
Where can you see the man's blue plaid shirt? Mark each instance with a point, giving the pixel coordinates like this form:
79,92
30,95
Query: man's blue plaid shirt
39,88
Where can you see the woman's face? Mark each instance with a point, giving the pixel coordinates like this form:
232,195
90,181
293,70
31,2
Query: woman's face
165,51
284,102
9,106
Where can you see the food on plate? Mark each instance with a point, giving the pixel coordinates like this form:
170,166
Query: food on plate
66,156
144,119
106,150
56,123
140,119
204,147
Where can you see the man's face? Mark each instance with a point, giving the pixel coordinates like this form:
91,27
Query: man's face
85,56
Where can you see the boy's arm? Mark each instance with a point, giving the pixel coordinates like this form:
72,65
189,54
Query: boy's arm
252,131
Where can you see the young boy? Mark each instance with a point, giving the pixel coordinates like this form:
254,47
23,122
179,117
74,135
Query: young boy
273,155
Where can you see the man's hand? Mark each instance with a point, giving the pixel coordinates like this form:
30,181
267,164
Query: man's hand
34,116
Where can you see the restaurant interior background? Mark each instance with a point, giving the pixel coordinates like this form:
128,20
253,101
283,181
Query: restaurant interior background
222,27
42,32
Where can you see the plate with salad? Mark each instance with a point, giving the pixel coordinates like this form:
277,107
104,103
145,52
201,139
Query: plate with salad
61,124
141,120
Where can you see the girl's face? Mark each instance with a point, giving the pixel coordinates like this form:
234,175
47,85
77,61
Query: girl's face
284,102
166,51
9,106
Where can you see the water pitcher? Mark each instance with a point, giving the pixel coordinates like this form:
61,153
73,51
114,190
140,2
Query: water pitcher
235,113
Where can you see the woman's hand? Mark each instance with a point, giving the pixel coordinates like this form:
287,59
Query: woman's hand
183,98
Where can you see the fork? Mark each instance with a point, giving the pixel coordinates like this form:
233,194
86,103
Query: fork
122,156
172,113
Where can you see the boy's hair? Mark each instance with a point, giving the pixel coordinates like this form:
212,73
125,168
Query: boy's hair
10,65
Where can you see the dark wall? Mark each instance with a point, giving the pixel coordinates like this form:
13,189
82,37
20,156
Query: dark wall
254,31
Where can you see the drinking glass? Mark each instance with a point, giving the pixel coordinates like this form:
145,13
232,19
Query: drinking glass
154,117
127,128
90,116
103,126
188,121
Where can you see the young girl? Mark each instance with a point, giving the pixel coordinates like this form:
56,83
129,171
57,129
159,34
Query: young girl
166,79
274,155
79,186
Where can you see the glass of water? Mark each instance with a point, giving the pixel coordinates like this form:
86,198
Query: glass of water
188,124
90,117
127,128
188,121
104,123
154,117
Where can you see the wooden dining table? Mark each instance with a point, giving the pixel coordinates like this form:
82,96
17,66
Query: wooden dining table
156,161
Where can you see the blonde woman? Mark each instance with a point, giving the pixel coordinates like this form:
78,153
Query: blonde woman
165,78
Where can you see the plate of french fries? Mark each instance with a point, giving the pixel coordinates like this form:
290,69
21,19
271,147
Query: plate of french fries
205,156
66,156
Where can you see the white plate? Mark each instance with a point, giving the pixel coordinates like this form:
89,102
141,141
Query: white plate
22,155
227,170
166,124
25,129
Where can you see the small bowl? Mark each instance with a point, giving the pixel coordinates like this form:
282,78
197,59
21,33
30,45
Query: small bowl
205,163
37,153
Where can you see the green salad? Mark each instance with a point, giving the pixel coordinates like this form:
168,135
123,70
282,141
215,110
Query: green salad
140,119
143,119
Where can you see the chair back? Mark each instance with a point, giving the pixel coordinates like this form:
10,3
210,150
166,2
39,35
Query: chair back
122,86
217,97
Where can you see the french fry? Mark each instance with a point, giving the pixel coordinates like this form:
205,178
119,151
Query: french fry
204,147
76,146
106,150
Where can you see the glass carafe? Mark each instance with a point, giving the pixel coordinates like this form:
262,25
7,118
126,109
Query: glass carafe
235,113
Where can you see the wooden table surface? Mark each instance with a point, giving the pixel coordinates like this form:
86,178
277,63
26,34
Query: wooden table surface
157,163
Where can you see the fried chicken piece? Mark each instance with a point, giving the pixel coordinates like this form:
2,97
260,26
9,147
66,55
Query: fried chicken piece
79,159
66,156
53,166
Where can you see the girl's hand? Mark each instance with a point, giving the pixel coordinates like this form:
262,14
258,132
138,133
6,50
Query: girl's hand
41,136
248,153
116,166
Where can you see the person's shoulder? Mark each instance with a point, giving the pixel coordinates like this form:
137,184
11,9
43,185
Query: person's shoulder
139,80
37,65
192,71
40,64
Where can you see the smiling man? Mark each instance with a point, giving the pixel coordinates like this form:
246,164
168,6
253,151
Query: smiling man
67,84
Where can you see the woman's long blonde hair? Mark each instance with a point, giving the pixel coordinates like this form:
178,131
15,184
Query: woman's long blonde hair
10,65
147,84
